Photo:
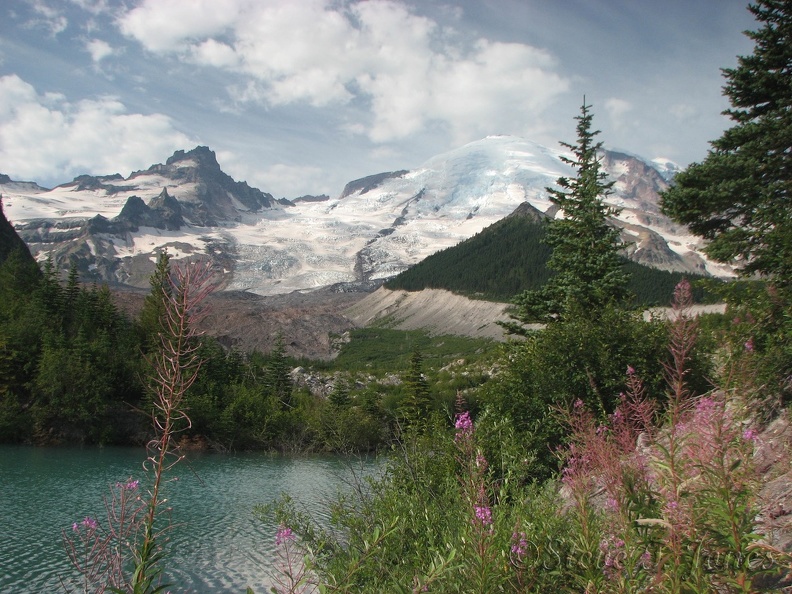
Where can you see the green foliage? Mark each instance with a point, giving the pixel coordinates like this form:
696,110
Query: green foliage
69,359
510,257
652,287
276,377
581,358
738,197
504,259
755,336
659,494
440,519
152,316
585,248
377,349
417,405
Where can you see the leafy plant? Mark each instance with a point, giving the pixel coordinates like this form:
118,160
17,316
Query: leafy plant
125,554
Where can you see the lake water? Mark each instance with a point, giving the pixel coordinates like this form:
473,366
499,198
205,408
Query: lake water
218,545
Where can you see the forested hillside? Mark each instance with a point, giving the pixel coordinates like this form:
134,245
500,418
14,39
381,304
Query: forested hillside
510,257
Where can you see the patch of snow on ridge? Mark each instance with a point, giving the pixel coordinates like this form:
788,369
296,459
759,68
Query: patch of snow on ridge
179,244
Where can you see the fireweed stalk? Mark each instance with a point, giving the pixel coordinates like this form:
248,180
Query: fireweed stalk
98,551
482,575
291,574
125,554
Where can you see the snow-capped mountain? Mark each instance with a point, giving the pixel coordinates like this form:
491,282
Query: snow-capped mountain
376,227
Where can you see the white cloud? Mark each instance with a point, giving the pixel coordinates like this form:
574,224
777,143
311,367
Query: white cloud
168,25
51,18
44,137
617,109
99,49
94,7
214,53
405,70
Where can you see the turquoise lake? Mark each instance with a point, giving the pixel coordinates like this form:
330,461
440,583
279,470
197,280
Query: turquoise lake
217,545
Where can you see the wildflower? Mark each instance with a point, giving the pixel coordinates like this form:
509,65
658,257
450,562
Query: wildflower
283,535
630,370
520,545
463,426
749,435
749,345
75,527
463,422
132,485
483,514
89,523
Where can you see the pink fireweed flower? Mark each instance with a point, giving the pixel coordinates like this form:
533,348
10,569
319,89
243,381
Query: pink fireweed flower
89,523
483,514
630,370
749,345
283,535
463,426
132,485
519,545
463,422
749,435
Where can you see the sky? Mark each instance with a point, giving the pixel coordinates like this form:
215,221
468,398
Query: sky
302,96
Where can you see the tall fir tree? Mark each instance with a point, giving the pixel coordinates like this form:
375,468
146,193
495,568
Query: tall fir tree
585,257
739,197
152,316
277,378
417,404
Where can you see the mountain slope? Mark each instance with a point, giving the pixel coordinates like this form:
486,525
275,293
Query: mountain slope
510,257
10,241
377,227
500,261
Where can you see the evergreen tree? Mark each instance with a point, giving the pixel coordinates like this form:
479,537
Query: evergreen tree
152,318
340,397
277,379
418,402
739,196
588,268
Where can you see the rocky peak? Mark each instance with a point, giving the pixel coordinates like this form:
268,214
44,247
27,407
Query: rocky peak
162,212
99,182
635,179
529,212
169,209
205,158
309,198
370,182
